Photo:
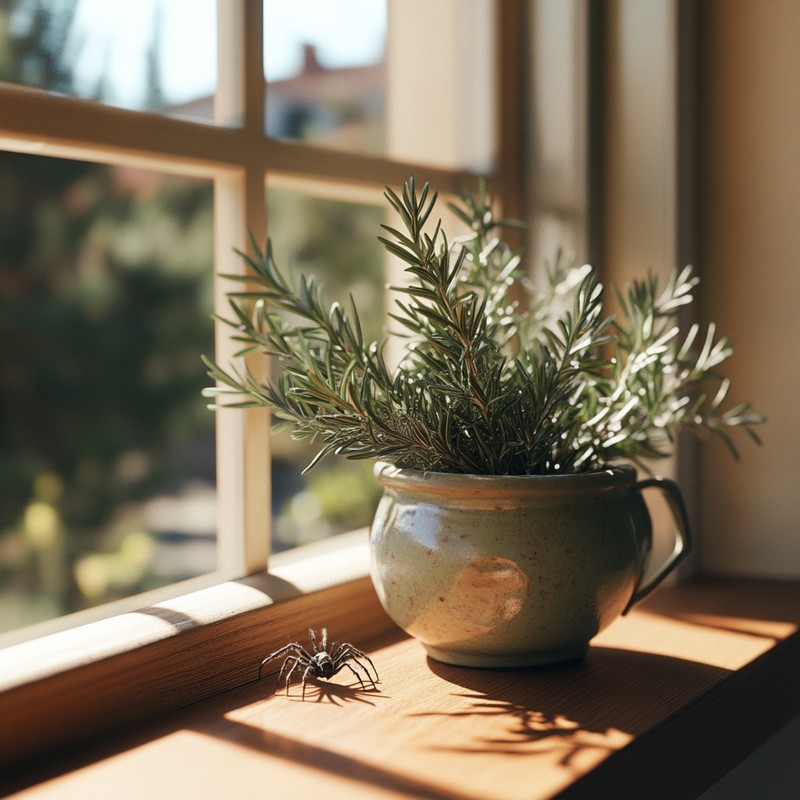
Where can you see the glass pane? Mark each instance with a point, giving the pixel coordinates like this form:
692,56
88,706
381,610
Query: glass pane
410,80
153,55
107,463
336,241
325,70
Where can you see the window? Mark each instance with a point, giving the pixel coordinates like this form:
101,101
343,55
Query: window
211,143
133,167
106,266
456,102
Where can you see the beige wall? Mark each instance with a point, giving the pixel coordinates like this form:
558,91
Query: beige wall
750,259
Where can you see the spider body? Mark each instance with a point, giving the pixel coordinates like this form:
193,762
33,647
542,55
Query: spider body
322,663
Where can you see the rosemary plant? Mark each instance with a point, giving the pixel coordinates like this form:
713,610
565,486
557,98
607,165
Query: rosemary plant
496,378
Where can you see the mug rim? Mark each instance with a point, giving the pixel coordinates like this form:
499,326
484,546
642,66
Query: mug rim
611,477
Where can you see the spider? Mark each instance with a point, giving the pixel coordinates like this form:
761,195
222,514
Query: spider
322,664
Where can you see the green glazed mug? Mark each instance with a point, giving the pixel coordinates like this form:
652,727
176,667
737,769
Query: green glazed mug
514,571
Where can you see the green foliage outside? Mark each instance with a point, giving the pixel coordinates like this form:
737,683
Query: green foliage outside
105,296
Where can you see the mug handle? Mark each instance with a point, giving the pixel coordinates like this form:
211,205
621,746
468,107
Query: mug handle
683,536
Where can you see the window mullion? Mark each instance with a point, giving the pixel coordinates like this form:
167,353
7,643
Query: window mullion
242,436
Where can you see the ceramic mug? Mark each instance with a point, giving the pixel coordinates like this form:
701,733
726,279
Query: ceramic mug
511,571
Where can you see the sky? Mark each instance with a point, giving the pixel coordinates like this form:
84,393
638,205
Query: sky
116,37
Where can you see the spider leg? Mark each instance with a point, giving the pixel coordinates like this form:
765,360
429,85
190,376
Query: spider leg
325,640
350,667
313,637
345,660
348,652
296,661
309,668
293,647
374,681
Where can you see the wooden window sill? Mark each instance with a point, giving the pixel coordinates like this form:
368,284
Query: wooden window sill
668,700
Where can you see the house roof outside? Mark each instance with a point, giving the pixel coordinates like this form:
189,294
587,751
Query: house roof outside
341,107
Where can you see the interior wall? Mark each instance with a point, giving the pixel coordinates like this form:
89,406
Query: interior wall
750,248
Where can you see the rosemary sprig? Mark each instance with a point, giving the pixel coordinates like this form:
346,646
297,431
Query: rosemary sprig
491,383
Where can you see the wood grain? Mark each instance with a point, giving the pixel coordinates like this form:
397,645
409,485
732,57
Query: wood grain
652,709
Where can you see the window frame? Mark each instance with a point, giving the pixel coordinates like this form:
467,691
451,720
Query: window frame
132,659
238,161
163,655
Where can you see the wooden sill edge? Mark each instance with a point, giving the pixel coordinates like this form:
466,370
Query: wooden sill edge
77,683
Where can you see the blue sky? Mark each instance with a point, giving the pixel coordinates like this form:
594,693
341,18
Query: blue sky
116,36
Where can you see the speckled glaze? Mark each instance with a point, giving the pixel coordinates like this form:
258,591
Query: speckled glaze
489,571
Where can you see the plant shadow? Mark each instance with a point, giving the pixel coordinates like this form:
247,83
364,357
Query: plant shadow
596,705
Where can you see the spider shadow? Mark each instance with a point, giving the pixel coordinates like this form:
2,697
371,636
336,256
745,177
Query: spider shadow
319,690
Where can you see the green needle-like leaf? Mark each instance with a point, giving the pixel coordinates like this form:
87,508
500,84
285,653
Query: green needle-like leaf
497,377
